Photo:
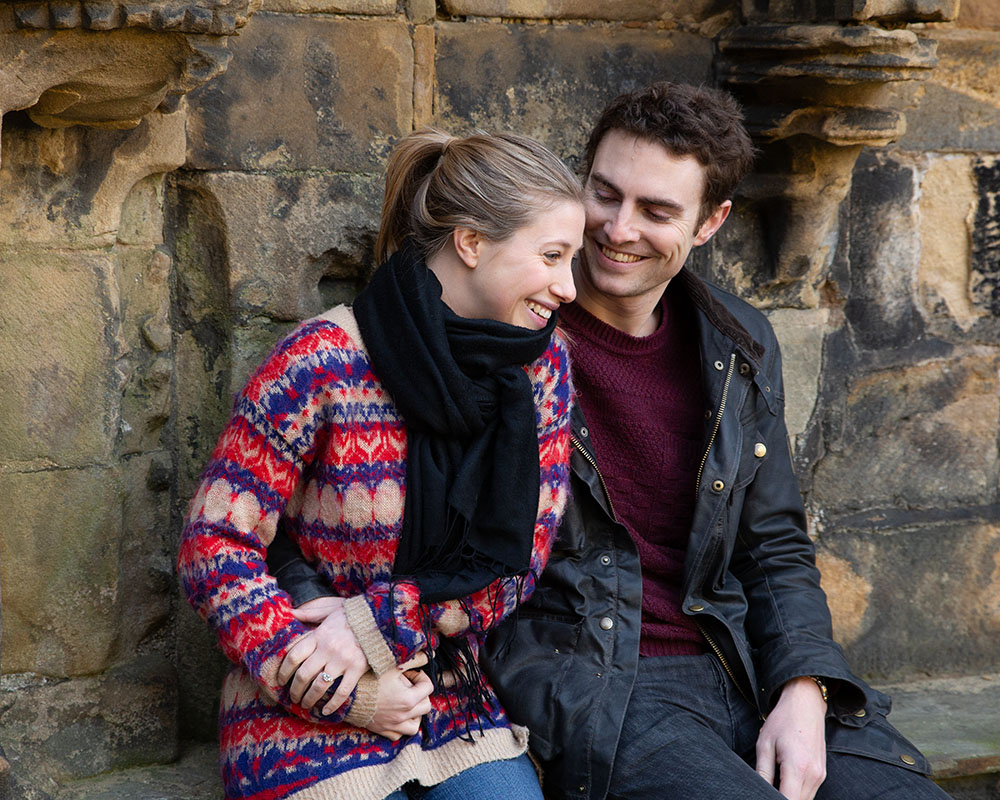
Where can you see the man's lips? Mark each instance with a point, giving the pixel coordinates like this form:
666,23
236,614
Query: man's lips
618,256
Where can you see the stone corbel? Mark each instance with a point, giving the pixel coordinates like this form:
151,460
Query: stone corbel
107,64
815,93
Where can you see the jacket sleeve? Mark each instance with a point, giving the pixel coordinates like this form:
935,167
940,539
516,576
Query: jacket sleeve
250,478
788,621
390,621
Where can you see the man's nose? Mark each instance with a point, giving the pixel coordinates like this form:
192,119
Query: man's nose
621,228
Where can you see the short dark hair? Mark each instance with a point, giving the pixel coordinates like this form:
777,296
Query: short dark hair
687,120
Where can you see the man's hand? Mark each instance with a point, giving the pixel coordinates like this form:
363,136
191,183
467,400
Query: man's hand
403,699
793,740
323,655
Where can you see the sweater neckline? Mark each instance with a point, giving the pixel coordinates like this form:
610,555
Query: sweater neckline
581,323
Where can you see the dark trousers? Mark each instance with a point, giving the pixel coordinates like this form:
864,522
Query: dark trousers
690,735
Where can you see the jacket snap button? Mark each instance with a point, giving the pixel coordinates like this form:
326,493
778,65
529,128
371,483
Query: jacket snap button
584,432
605,560
607,623
861,713
760,450
744,368
718,485
719,365
708,414
908,759
697,607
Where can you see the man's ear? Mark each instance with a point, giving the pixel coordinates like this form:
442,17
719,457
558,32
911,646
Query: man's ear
467,243
713,223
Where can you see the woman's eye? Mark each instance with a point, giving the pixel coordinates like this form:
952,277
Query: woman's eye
553,257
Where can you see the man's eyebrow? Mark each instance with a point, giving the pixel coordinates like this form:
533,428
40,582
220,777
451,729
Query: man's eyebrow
671,205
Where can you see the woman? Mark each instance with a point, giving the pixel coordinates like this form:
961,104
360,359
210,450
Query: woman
415,448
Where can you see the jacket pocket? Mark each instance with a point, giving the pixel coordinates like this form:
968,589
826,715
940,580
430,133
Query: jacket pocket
876,739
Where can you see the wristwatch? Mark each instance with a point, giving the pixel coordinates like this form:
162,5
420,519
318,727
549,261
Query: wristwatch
822,688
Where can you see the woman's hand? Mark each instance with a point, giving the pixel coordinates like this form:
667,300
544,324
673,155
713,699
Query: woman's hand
403,699
327,652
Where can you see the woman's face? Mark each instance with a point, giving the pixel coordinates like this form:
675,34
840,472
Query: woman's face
524,278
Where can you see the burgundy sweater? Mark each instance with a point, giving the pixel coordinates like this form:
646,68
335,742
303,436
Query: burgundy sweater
644,404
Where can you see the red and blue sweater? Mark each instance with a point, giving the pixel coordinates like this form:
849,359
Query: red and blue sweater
316,441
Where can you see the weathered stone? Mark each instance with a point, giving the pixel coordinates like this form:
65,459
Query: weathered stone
984,14
60,406
986,238
420,12
899,10
800,334
85,726
555,79
423,76
847,595
59,569
698,10
928,584
919,435
110,80
960,102
884,254
68,186
281,263
142,213
348,84
947,199
369,7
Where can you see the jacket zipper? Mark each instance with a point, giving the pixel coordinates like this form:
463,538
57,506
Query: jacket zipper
590,460
697,486
725,665
718,422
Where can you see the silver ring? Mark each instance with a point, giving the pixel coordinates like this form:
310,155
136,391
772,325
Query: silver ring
326,677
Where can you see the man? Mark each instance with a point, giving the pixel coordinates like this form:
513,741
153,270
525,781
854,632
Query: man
678,644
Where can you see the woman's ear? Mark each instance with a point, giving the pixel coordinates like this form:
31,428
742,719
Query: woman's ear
467,243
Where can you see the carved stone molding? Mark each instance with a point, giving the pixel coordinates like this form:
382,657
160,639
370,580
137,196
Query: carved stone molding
815,94
108,64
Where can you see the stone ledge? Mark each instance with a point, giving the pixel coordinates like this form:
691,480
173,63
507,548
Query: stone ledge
954,722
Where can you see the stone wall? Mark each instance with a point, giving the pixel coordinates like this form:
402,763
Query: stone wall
146,269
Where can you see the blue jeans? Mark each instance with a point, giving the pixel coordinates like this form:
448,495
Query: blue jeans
690,734
514,778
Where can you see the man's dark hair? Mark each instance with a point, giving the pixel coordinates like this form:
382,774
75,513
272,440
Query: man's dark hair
687,120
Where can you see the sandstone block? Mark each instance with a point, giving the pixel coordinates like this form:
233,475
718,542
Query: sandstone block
550,82
800,333
624,10
948,198
306,92
68,186
59,405
979,14
368,7
85,726
919,435
294,245
960,103
925,611
59,570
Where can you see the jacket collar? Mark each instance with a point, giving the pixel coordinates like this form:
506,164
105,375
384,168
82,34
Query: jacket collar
717,314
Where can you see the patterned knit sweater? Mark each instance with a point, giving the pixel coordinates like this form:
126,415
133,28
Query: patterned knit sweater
316,441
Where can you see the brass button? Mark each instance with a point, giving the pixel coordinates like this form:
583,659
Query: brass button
906,758
719,365
697,607
744,368
760,450
718,486
605,560
607,623
861,713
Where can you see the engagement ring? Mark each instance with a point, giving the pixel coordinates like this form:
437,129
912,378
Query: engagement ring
326,677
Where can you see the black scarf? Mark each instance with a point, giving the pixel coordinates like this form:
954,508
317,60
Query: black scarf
472,474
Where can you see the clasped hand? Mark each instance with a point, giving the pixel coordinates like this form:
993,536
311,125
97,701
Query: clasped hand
329,651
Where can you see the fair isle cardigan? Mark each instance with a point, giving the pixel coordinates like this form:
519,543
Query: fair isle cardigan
314,440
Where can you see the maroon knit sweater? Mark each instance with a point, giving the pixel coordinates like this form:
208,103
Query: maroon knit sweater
644,404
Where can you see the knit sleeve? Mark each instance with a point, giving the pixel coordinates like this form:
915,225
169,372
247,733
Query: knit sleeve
390,621
253,472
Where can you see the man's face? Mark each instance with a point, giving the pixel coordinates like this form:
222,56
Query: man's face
642,205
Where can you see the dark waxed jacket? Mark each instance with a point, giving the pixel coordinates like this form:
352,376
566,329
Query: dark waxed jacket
750,579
